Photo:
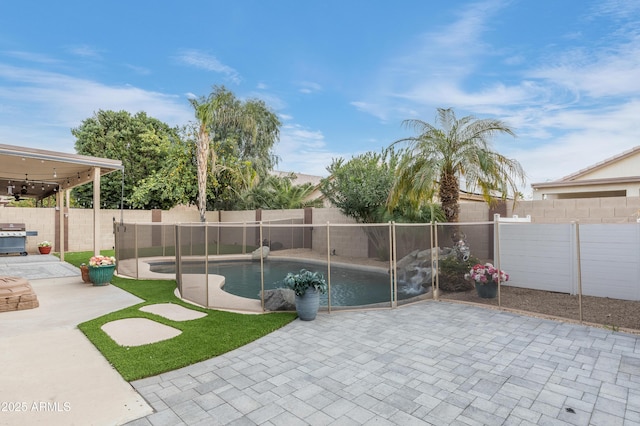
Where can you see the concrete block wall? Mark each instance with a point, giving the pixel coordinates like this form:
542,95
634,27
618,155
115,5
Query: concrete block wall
352,243
80,221
186,214
473,212
584,210
41,220
237,216
279,215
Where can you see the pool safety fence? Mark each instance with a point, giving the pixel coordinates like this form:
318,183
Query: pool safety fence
414,261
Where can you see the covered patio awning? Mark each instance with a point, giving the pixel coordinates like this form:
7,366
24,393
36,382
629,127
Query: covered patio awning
36,173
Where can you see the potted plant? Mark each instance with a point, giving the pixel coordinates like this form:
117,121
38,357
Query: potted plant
486,277
44,247
307,286
101,269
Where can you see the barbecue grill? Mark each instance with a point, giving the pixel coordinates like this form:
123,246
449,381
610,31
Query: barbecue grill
13,238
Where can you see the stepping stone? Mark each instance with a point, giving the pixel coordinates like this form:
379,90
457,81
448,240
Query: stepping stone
138,331
173,312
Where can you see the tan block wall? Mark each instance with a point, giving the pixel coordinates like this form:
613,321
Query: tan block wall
584,210
474,212
42,220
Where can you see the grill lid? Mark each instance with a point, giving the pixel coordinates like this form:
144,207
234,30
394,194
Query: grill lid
12,227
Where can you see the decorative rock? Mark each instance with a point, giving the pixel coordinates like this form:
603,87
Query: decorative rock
280,299
16,294
255,255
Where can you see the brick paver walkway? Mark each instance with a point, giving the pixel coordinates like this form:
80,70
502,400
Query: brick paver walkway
432,363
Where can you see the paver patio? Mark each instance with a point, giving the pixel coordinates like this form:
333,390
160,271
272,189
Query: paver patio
430,363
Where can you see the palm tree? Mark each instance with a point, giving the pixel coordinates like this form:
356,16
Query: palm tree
438,157
219,109
276,192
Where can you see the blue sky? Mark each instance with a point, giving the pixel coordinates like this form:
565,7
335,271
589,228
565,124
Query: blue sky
342,75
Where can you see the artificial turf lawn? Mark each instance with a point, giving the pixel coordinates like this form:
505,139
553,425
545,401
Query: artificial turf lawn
201,339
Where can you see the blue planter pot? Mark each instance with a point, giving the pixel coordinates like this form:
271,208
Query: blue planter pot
488,290
101,275
307,305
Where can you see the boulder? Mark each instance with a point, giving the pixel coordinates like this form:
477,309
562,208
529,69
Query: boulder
280,299
255,255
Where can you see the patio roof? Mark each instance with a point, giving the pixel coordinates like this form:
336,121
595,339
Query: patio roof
36,173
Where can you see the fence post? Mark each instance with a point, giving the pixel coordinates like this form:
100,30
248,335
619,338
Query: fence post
436,292
433,255
206,262
393,255
579,269
329,267
244,238
135,247
178,259
261,270
496,252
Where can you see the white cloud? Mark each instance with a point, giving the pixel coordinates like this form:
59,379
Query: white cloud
39,108
303,151
139,70
32,57
207,62
85,51
308,87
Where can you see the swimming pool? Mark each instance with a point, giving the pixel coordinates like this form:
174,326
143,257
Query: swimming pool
349,286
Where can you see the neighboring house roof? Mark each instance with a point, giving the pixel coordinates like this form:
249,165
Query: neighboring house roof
299,178
618,169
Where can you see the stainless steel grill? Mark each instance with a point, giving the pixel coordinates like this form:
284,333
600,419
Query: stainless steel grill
13,238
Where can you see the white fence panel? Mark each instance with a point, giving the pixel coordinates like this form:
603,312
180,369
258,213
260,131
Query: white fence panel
538,256
610,260
544,257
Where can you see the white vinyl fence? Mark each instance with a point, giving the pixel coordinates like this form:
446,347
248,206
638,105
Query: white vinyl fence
546,257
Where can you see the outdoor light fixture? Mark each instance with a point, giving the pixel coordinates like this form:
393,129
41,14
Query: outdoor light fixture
55,175
23,190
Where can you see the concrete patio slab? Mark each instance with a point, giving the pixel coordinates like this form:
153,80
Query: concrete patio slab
52,371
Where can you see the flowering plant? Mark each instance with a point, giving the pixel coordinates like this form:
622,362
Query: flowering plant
44,244
102,261
487,273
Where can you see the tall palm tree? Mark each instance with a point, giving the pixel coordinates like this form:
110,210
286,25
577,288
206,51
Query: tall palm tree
220,108
438,157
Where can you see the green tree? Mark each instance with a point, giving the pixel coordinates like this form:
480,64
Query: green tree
438,156
174,183
276,192
141,142
360,189
235,131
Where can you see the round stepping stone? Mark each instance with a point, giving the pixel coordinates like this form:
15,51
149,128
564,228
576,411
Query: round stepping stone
173,312
138,331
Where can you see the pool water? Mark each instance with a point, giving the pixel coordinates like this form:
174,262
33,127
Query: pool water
349,286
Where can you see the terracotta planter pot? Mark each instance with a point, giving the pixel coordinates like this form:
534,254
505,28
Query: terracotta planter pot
84,269
44,250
